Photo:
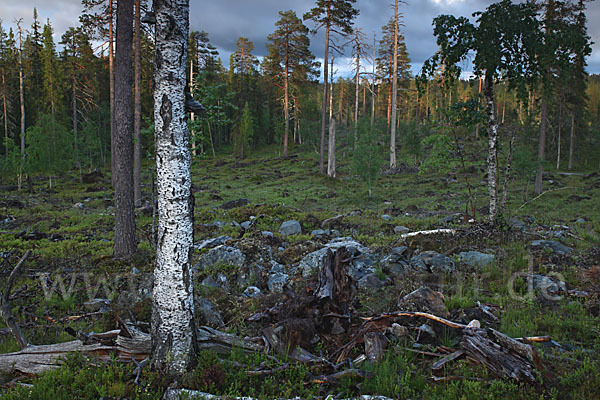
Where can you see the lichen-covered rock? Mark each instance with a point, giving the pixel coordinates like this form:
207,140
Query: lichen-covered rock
432,261
207,314
361,264
211,243
292,227
552,245
223,255
476,258
424,300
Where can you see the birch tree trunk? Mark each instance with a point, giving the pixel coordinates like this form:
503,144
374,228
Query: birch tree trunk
394,91
5,113
331,153
492,161
137,111
173,326
125,239
571,141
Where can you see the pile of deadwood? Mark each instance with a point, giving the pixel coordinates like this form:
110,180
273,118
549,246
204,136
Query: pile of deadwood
326,310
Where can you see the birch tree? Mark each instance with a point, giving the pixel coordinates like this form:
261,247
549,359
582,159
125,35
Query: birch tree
505,40
173,326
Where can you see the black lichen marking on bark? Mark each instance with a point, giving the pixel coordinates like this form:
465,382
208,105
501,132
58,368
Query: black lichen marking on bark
166,111
172,31
162,239
158,59
186,278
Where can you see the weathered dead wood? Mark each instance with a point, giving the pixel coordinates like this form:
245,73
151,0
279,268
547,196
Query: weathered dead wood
221,342
430,232
274,342
439,364
374,346
503,356
5,310
347,373
413,314
38,359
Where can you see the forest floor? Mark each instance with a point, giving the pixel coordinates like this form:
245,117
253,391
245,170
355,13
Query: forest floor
71,285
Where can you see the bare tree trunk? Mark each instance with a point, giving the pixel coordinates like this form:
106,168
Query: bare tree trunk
21,89
394,91
173,325
541,146
373,98
356,94
286,103
331,88
137,111
324,106
75,145
492,161
558,147
341,101
331,152
5,113
125,239
111,80
572,141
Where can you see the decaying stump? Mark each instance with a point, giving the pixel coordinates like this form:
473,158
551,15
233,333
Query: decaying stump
504,356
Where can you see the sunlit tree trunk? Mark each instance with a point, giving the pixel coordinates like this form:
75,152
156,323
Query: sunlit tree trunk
173,326
492,161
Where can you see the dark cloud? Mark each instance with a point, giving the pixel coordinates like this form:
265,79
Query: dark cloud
226,20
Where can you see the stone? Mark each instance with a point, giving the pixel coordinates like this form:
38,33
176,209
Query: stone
546,284
476,258
210,282
319,233
252,292
224,255
331,222
372,281
359,253
386,217
95,305
246,225
211,243
399,230
207,314
553,245
277,281
134,271
450,218
234,204
426,300
398,330
268,234
81,206
290,228
427,331
432,261
516,223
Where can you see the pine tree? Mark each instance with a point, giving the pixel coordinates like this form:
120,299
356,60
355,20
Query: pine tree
289,58
125,237
52,73
336,17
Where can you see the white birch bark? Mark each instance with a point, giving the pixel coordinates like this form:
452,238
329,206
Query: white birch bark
331,150
173,327
492,161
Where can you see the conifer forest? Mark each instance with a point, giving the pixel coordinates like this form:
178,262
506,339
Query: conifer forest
349,206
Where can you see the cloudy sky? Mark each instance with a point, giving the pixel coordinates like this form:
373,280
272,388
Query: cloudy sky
226,20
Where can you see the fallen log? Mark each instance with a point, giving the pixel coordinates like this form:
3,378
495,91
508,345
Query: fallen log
5,310
430,232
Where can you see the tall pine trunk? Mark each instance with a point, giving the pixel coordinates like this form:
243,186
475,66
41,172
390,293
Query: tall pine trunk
541,146
137,111
492,161
21,91
5,113
173,326
125,239
111,80
324,106
394,91
286,102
